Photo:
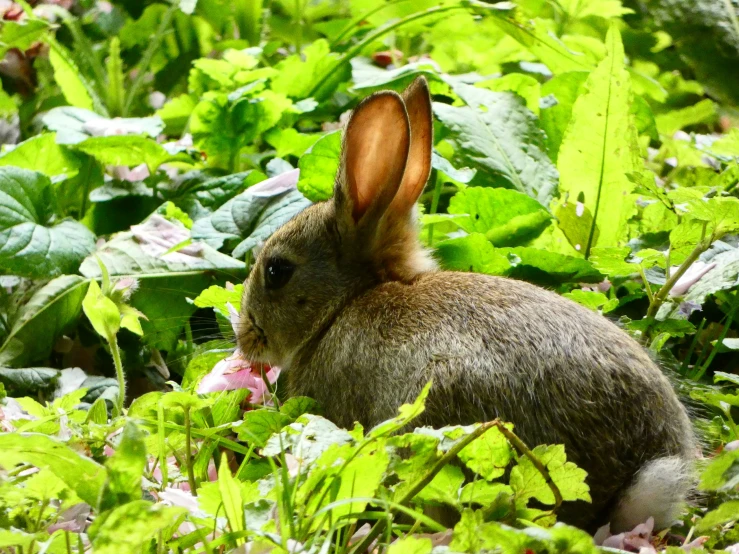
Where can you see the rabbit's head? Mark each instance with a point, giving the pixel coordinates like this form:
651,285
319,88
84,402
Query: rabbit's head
364,235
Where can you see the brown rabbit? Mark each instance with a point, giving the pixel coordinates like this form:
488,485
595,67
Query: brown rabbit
347,301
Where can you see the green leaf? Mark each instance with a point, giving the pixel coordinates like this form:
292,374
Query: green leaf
558,97
252,216
507,217
217,297
670,122
128,528
725,513
128,150
28,380
102,312
406,414
523,85
125,468
411,545
41,153
592,300
289,142
472,253
45,317
600,147
487,455
176,113
298,73
68,76
721,472
318,168
85,477
260,425
444,487
298,405
498,136
544,267
533,35
232,502
484,493
21,34
32,243
528,482
116,77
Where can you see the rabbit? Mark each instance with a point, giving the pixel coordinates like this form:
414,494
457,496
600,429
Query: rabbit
347,301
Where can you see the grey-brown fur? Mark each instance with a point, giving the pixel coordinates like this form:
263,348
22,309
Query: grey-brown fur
366,320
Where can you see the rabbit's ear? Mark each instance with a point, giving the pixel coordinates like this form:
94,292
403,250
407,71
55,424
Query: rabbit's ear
374,155
418,105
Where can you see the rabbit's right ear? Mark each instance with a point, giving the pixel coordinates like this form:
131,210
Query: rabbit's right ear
374,155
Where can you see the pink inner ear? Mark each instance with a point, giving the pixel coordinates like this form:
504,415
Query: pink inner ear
376,149
418,168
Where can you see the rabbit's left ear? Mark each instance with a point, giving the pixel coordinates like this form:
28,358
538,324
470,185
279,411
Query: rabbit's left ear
418,167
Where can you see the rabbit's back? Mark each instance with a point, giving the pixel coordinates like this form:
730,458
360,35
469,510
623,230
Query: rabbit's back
496,347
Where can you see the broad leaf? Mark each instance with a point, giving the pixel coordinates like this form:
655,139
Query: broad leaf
50,311
73,125
80,473
497,135
125,468
32,242
42,153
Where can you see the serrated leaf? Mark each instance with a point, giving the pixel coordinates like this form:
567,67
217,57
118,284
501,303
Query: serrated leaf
600,147
259,425
528,482
79,473
487,455
68,76
725,513
32,243
498,136
298,405
558,97
128,528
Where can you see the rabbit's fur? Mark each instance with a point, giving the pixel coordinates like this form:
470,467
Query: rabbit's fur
359,318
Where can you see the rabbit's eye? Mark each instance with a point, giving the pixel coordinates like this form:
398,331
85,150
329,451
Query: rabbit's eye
277,273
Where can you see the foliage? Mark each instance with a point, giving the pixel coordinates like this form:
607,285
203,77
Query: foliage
589,146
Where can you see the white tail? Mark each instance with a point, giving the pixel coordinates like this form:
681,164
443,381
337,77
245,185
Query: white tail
659,490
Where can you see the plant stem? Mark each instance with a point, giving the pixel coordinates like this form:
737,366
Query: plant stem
143,65
523,449
659,298
729,319
162,447
379,527
188,453
115,351
647,286
333,72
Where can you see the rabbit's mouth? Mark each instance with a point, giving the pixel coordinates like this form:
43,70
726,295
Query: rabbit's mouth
252,341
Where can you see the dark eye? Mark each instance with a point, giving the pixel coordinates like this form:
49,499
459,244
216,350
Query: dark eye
277,273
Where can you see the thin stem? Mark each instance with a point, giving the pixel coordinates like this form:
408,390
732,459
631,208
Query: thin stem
719,341
188,453
379,527
523,449
659,298
647,286
332,71
693,344
355,23
152,49
68,541
162,447
115,351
